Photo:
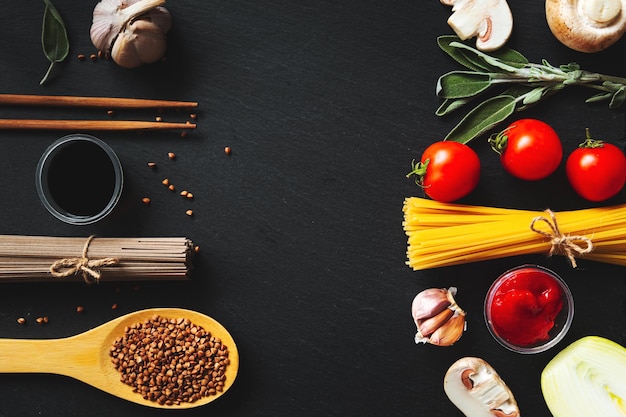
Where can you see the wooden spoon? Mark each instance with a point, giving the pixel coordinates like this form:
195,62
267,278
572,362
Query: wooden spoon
85,356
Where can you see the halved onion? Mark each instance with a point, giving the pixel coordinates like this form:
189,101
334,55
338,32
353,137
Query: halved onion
587,378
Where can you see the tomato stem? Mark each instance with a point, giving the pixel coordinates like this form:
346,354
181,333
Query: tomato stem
589,142
419,170
498,141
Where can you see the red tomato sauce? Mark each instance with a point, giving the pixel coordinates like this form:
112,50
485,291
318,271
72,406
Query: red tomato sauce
525,306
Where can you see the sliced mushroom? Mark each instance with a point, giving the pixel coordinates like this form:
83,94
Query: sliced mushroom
490,21
478,391
587,25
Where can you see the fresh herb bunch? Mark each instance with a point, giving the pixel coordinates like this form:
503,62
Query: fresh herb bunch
527,83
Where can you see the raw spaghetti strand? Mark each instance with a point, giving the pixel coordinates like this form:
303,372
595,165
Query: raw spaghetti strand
442,234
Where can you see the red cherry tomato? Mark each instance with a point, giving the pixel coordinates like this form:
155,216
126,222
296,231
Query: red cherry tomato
596,170
529,149
447,171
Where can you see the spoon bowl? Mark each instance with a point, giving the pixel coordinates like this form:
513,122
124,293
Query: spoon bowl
86,356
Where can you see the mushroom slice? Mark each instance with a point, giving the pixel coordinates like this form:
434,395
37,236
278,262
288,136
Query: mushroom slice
478,391
490,21
587,25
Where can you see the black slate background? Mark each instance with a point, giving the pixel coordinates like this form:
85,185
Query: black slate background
324,105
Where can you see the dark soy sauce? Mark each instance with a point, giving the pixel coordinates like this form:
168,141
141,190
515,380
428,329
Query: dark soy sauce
81,178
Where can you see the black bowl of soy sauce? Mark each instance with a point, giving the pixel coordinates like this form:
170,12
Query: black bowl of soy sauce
79,179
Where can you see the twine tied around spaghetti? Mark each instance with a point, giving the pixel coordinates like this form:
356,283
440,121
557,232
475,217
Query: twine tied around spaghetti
567,245
90,268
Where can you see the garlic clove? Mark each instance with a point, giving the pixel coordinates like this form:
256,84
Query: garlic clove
160,17
450,332
124,53
426,327
431,301
142,42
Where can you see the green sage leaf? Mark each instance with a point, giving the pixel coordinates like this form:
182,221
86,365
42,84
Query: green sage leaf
533,96
469,59
462,84
506,55
456,54
572,66
482,118
450,105
612,86
573,77
599,97
618,98
479,62
491,60
511,56
528,101
53,38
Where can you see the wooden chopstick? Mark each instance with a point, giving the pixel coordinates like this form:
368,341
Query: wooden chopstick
40,124
100,102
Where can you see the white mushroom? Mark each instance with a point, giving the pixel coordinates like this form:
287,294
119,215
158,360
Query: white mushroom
478,391
490,21
587,25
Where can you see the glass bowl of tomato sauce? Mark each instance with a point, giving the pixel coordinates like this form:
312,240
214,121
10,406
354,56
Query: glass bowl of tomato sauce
529,309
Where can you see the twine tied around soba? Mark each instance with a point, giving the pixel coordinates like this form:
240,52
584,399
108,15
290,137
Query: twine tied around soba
567,245
90,268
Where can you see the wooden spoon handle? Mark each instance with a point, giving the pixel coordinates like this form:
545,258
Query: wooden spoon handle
56,356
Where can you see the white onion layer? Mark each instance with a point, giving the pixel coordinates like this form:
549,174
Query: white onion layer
587,378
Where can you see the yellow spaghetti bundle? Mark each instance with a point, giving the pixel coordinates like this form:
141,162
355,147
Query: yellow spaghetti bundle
442,234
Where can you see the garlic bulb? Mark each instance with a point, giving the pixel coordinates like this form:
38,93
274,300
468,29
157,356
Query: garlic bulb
439,319
132,31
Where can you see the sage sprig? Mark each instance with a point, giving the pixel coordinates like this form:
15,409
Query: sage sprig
54,39
525,85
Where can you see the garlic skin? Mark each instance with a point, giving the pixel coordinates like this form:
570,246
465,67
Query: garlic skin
439,319
133,32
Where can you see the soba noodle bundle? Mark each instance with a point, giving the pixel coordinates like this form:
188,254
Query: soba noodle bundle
45,258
